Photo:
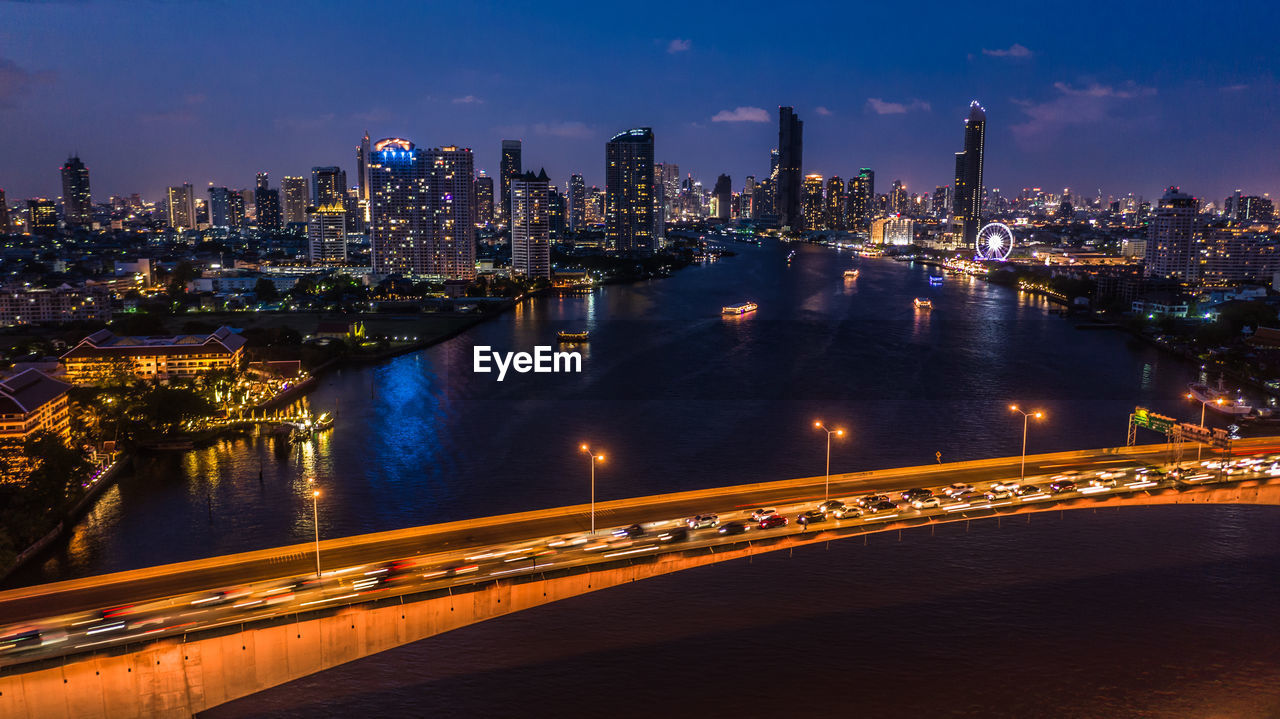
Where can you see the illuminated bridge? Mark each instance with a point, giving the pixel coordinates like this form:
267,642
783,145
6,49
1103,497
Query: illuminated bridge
173,640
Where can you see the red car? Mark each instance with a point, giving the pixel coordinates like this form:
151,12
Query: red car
773,520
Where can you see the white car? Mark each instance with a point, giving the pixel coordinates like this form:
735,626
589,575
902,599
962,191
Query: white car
847,512
763,512
1102,482
957,489
703,521
926,503
1006,486
993,494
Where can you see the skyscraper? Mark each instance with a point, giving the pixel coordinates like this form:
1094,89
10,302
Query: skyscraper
362,167
1173,238
835,203
327,233
451,199
182,207
77,206
509,167
577,203
747,200
484,199
556,209
629,215
899,202
790,162
811,203
4,215
722,195
328,185
667,177
266,203
226,208
530,225
966,211
297,196
857,211
42,217
399,176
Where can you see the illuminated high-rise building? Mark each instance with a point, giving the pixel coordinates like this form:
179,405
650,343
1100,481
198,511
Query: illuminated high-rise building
667,177
722,197
531,225
328,185
1173,238
629,200
899,201
327,233
297,196
226,208
835,201
557,207
266,203
401,218
790,163
77,204
941,200
966,213
484,199
362,167
811,203
4,215
182,207
577,203
508,167
42,216
451,199
747,200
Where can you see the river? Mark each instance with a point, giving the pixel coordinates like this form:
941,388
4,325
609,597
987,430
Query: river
1111,614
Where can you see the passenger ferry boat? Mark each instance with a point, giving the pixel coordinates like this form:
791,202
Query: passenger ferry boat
923,303
935,280
571,336
851,274
1210,396
741,309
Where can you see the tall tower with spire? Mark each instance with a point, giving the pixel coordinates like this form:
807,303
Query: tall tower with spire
362,167
966,209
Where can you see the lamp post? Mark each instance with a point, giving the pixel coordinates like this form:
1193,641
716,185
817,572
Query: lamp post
1026,418
826,484
315,522
1203,404
594,459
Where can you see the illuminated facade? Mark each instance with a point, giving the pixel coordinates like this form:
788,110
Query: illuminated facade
530,225
30,402
328,185
811,202
363,158
266,203
484,199
835,203
893,231
966,210
297,196
451,200
77,204
103,355
327,233
629,192
4,215
182,207
577,203
509,166
1173,240
24,306
42,217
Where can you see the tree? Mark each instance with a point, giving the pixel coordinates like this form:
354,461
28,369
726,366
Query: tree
265,290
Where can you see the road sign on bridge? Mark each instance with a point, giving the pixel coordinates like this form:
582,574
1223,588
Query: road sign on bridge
1214,437
1146,419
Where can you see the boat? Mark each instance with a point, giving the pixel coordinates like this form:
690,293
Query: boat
791,255
1219,400
324,421
573,336
851,274
923,303
935,280
741,309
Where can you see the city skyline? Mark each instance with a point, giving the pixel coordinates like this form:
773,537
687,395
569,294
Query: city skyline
1063,116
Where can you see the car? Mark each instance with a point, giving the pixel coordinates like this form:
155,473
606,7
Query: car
993,494
773,520
883,505
926,503
812,516
1108,481
1005,486
831,505
703,521
917,493
729,528
871,499
958,489
760,514
1027,490
675,534
569,541
847,513
631,532
1058,486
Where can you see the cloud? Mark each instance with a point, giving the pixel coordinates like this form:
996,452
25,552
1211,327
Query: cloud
679,45
822,110
573,129
16,81
1016,51
468,100
880,107
742,114
1091,104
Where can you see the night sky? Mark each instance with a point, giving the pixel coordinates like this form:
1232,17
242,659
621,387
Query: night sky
1088,96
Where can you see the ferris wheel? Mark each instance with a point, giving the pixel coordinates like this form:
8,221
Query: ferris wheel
995,241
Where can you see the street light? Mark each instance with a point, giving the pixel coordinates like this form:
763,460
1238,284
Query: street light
1026,417
826,484
1204,403
315,522
594,459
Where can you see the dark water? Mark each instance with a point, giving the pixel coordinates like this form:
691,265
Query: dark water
680,398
